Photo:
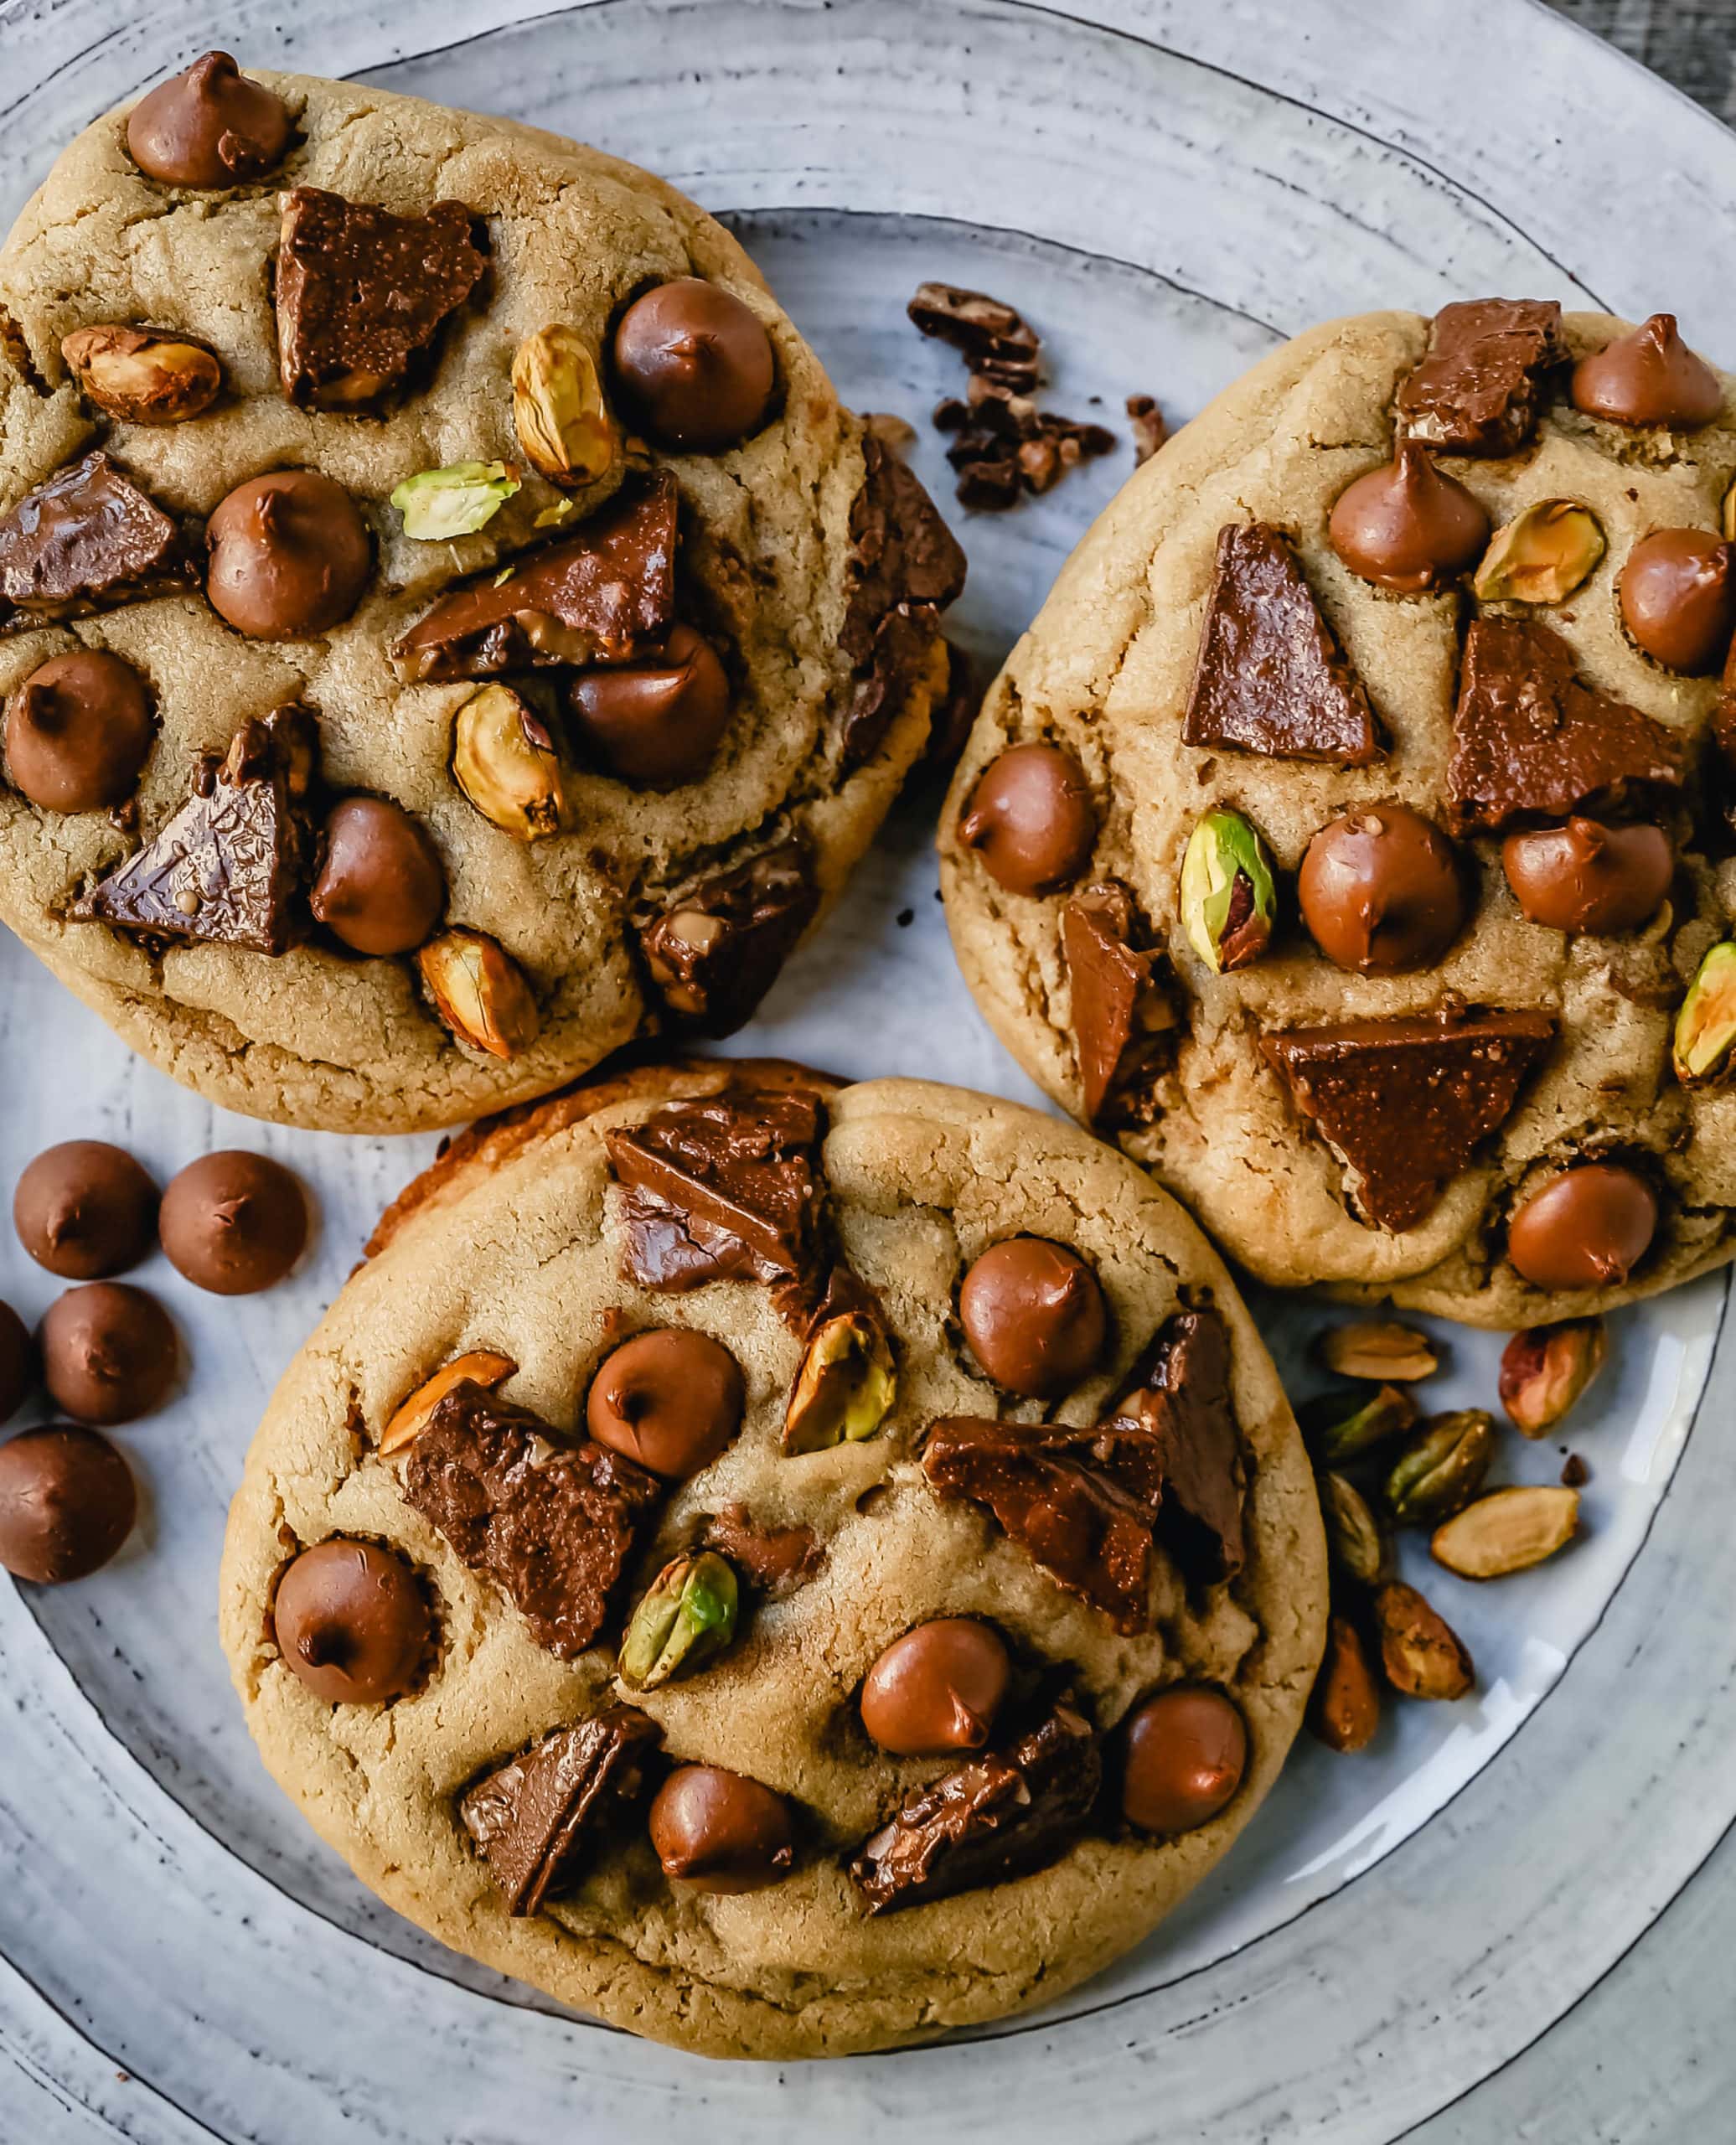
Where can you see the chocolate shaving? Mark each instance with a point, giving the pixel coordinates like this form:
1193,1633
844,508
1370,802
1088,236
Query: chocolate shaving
1477,390
1182,1396
86,540
717,948
529,1818
553,1528
997,342
775,1560
1407,1102
1124,1023
905,568
1271,677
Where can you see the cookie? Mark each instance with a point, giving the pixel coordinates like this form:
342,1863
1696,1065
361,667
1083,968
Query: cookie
1349,836
703,1625
449,627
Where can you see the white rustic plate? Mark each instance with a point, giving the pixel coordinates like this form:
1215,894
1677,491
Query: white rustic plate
1165,190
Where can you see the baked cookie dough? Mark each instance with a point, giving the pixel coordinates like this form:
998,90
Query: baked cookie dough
1349,836
723,1641
448,626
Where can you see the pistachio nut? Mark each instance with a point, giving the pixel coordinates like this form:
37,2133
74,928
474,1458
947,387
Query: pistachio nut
438,504
140,375
563,425
1228,899
1378,1351
503,760
845,1388
1344,1709
1353,1534
1423,1655
1540,557
1705,1026
479,991
686,1615
481,1366
1441,1469
1508,1531
1544,1370
1340,1427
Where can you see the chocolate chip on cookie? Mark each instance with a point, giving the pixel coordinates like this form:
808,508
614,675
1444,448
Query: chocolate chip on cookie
656,724
382,885
721,1831
694,365
1183,1755
233,1222
1678,600
1648,377
109,1353
1382,890
1181,1393
290,555
1031,819
936,1689
86,539
78,732
533,1818
1406,525
68,1503
351,1622
719,946
1034,1314
1589,875
1586,1229
86,1210
1477,390
208,126
671,1399
1125,1021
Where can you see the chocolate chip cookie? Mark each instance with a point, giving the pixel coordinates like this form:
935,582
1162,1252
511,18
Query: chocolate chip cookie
448,626
1350,835
789,1567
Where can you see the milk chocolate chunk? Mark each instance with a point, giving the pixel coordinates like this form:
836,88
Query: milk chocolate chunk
1181,1395
1271,677
728,1189
717,948
532,1819
605,594
1124,1022
551,1521
905,567
361,293
1407,1102
1477,388
997,1817
231,867
86,540
1529,734
776,1560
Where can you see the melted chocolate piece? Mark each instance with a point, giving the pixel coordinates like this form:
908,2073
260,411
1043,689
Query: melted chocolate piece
1529,734
1407,1102
728,1189
86,539
1271,676
994,1817
774,1559
1124,1022
1477,390
231,867
360,292
905,565
530,1818
1182,1397
554,1532
604,595
717,948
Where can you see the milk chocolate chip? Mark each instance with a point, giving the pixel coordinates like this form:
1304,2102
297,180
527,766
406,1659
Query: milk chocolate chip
208,126
658,724
936,1689
1381,890
108,1352
670,1399
1406,526
350,1622
1031,819
1588,876
1183,1755
78,731
1649,377
233,1222
1034,1315
720,1832
694,365
290,555
1587,1228
1677,599
381,887
67,1503
86,1210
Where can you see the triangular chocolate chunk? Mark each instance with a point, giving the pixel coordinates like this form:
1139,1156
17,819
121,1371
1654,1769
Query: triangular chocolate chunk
1529,734
717,948
1271,676
360,292
605,594
84,541
230,868
527,1819
1182,1396
1476,389
1125,1024
1407,1102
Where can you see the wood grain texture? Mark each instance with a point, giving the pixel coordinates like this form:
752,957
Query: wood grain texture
1685,41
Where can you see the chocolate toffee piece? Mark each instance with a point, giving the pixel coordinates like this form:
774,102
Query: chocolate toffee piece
1529,734
905,567
231,867
605,594
1123,1021
550,1520
529,1818
728,1189
1271,677
775,1559
717,948
1182,1396
1476,389
360,292
995,1818
1405,1102
86,539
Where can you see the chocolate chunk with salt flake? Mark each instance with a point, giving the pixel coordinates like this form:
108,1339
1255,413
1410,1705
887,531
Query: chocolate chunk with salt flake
775,1559
231,867
361,291
1271,677
551,1521
1182,1395
1476,389
717,948
997,341
728,1189
905,565
84,540
1123,1021
1529,734
1407,1102
604,594
1001,1816
529,1818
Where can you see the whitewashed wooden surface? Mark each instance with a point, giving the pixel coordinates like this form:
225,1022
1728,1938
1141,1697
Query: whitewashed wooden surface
161,1911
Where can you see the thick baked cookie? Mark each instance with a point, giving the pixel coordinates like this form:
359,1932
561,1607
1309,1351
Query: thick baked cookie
1349,836
448,626
789,1567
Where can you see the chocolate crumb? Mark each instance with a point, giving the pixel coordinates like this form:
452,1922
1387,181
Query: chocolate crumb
1145,421
1574,1471
907,917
